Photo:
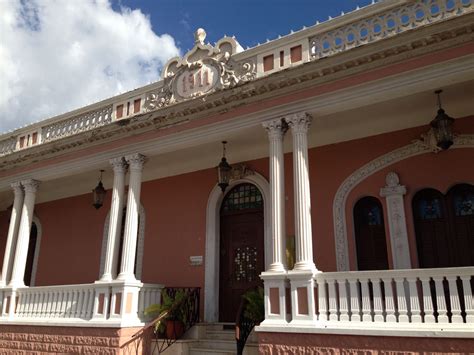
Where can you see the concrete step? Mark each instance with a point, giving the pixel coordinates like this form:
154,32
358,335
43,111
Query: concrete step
220,334
204,351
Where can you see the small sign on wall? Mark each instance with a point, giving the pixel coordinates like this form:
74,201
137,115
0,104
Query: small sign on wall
195,260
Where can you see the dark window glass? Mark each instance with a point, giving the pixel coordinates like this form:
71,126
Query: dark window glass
242,197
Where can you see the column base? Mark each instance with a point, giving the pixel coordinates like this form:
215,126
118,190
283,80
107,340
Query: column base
303,307
275,299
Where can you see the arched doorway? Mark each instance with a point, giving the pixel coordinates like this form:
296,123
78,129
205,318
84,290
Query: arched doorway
241,247
370,237
444,226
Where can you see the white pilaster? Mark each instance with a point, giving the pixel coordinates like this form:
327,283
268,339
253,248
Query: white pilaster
276,130
299,124
21,252
12,233
397,224
135,163
115,224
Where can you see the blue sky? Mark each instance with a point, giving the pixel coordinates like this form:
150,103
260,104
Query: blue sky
56,56
251,21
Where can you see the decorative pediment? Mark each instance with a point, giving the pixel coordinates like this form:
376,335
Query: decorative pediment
203,70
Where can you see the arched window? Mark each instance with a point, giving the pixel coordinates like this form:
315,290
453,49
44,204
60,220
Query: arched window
461,205
432,239
370,239
33,251
444,227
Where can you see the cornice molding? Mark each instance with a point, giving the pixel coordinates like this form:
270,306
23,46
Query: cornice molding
339,205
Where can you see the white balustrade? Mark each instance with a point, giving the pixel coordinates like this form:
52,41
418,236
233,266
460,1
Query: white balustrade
77,124
386,24
68,302
7,146
421,297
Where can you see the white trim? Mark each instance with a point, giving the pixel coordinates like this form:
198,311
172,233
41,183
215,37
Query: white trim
415,148
140,247
211,280
39,230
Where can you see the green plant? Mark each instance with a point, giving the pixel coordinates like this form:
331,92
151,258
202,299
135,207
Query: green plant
254,307
172,306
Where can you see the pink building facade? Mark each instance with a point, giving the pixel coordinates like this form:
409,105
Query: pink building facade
340,201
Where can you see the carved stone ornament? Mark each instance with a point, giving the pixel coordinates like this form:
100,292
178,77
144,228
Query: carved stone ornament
203,70
240,171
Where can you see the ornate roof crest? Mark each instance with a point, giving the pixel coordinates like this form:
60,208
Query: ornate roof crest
203,70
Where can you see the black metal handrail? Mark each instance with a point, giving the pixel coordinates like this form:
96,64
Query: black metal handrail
188,306
243,326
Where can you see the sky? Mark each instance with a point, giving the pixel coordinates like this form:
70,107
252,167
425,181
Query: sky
59,55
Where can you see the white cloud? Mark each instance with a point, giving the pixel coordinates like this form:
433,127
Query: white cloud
58,55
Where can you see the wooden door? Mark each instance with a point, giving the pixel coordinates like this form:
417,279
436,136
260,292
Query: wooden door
241,247
371,242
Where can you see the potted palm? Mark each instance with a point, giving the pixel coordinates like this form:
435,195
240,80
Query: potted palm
174,317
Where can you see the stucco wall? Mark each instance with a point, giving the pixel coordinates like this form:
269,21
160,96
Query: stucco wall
176,207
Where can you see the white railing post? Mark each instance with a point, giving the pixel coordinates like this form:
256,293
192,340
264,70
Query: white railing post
456,316
377,294
355,301
389,300
441,300
428,308
414,300
366,307
343,304
468,299
401,300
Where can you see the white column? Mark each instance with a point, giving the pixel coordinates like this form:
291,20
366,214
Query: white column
397,224
115,220
21,253
135,163
299,124
276,130
12,233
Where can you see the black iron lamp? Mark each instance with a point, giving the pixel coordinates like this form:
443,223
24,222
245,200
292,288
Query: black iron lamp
223,170
442,126
98,193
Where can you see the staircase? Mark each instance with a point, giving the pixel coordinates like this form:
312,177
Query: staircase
211,338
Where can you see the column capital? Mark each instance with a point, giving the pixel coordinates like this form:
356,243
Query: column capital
16,187
276,128
30,185
393,186
119,165
136,161
299,122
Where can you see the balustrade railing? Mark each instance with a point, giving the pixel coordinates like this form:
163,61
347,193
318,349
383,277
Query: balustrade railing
7,146
418,297
77,124
386,24
66,302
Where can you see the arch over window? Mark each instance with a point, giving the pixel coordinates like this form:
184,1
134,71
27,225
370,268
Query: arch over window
444,226
371,244
140,243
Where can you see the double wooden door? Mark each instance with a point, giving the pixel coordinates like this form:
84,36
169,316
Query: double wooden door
241,248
